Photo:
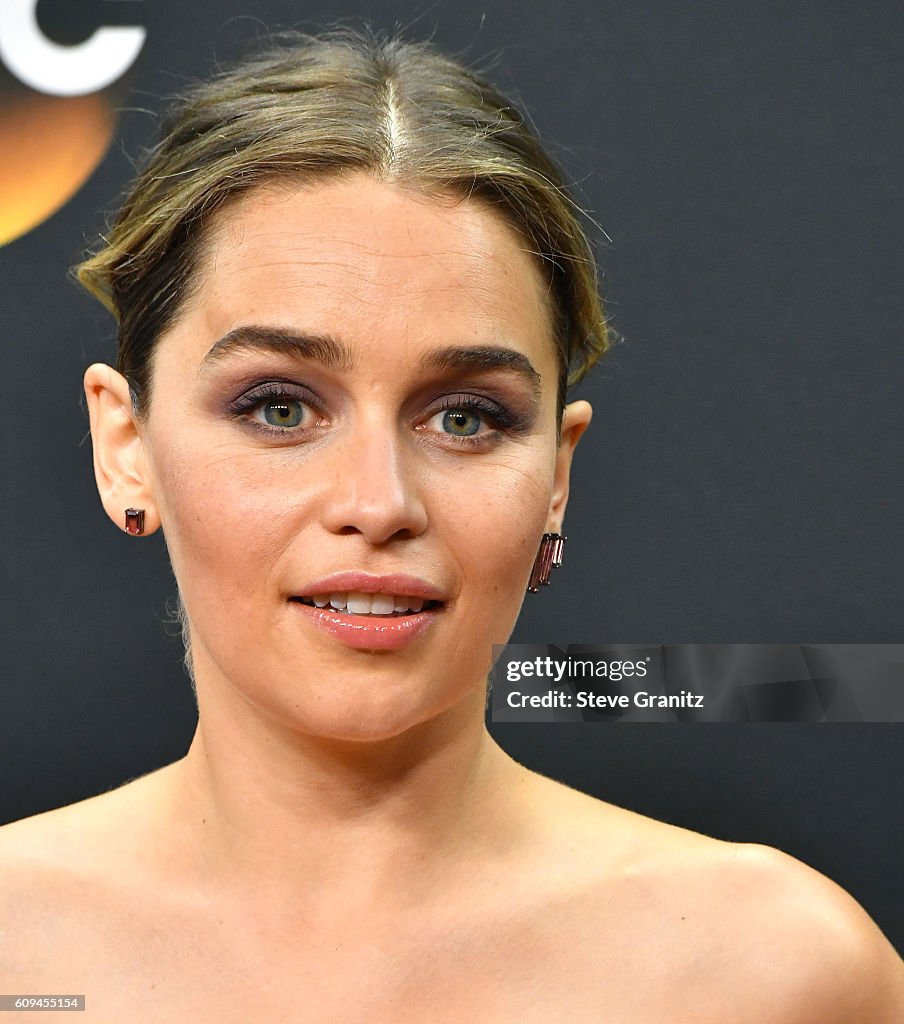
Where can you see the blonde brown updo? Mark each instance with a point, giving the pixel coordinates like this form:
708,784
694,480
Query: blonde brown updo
313,107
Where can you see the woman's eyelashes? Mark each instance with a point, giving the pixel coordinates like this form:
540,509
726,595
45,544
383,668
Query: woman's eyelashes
278,408
471,420
292,412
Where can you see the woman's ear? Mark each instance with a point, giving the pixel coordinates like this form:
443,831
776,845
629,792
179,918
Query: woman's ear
119,465
575,419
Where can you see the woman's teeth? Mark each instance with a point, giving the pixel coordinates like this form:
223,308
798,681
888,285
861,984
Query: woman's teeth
356,603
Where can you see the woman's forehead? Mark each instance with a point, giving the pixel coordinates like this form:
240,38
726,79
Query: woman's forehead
360,254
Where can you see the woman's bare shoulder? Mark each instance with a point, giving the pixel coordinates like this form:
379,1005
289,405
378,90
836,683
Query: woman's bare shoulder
62,870
752,926
47,877
78,840
54,842
824,957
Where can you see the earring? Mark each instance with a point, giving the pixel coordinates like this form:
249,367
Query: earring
549,555
135,521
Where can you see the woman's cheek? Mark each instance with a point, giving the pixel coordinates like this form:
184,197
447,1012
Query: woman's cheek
217,516
509,515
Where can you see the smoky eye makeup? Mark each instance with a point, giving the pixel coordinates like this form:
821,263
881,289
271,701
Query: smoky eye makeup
288,408
477,412
460,409
271,389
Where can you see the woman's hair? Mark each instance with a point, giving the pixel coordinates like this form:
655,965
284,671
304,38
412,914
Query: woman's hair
313,107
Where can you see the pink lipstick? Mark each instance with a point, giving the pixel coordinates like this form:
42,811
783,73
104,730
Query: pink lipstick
370,612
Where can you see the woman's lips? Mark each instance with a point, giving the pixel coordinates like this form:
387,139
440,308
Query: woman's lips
370,632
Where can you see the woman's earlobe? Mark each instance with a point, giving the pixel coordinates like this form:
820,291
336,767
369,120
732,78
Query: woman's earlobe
117,447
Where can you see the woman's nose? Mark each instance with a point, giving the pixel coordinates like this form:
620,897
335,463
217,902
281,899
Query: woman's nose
373,486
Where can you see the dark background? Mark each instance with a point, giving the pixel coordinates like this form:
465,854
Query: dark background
741,481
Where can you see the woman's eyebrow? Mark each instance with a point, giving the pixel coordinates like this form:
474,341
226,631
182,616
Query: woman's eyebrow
322,348
335,354
482,357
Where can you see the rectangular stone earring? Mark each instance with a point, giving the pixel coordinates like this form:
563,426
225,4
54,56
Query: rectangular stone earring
135,521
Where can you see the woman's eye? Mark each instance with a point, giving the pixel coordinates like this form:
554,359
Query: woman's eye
282,412
460,422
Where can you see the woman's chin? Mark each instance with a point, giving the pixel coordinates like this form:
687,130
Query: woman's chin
366,730
356,698
366,719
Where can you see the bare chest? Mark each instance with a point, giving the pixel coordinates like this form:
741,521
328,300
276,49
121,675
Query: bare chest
143,966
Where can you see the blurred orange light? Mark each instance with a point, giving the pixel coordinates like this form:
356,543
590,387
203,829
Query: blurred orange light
50,147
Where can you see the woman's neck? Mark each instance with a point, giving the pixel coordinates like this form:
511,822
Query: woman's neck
257,803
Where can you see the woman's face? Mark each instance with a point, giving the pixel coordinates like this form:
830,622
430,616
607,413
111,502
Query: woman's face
364,384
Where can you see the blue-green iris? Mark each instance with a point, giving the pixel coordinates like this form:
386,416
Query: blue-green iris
284,413
461,422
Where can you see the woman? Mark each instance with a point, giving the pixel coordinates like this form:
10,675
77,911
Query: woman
351,293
